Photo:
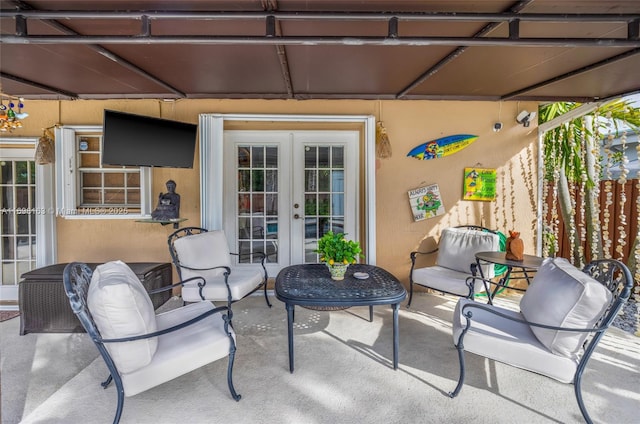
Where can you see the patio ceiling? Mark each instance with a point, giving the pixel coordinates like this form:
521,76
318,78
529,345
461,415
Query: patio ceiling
542,50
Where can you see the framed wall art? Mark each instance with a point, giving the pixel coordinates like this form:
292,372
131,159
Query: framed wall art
479,184
426,202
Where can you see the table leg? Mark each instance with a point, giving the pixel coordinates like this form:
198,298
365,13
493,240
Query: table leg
487,289
290,311
396,335
526,276
502,283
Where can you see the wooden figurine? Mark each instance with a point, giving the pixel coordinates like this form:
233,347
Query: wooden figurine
515,247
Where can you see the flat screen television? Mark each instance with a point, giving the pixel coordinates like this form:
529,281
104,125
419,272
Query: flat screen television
136,140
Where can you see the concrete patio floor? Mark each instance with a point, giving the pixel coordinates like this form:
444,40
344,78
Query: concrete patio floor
343,375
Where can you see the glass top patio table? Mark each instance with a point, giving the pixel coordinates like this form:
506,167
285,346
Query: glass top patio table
310,285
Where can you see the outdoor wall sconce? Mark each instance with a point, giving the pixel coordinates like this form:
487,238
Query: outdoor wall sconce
525,118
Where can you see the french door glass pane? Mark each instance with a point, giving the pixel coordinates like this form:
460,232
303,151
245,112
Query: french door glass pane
324,195
17,226
257,199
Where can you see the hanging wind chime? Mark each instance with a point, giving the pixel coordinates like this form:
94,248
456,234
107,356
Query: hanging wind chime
9,118
383,145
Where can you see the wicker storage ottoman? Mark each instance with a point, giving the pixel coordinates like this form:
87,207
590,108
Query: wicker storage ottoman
44,306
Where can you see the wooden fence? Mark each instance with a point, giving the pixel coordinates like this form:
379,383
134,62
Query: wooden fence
615,224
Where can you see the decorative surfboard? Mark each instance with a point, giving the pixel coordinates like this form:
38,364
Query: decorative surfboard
440,147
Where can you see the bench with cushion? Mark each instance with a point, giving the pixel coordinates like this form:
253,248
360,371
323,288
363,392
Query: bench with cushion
455,261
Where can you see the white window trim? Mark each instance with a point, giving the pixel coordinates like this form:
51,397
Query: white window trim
211,165
67,183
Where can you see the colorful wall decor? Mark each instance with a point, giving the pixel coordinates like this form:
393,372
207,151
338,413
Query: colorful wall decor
479,184
440,147
426,202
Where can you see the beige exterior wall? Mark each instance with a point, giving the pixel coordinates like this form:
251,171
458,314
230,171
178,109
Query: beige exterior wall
512,152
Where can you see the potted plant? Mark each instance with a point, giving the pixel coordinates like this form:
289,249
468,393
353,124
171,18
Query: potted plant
338,253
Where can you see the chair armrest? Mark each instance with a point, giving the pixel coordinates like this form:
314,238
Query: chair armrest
258,254
203,283
262,257
467,313
179,284
184,324
488,282
206,269
417,252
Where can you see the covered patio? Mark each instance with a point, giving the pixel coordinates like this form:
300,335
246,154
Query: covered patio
464,65
343,374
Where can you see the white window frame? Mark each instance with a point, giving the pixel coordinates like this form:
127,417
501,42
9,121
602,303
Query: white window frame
67,182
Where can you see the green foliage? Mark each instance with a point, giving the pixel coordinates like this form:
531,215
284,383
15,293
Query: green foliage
561,152
571,154
334,248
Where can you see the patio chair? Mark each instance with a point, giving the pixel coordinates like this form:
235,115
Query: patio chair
456,261
563,315
206,269
141,349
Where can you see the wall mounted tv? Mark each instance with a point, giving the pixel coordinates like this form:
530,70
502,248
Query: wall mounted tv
136,140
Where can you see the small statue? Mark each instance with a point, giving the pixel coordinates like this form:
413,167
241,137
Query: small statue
515,247
168,204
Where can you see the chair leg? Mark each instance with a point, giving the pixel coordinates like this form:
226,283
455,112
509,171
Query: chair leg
106,382
455,391
578,389
120,390
265,294
410,294
232,354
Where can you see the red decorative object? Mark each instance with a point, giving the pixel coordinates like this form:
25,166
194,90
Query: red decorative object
515,247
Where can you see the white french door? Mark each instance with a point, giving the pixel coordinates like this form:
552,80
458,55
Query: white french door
284,189
27,232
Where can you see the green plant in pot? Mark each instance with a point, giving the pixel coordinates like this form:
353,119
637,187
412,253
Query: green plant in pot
338,253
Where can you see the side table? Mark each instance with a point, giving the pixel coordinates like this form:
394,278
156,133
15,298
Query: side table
527,267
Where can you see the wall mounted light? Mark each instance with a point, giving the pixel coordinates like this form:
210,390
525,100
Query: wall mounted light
525,118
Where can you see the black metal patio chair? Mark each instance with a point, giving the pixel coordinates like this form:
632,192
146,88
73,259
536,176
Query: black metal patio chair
563,315
207,270
141,349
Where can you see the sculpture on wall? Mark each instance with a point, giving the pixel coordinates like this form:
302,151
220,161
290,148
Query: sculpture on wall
168,204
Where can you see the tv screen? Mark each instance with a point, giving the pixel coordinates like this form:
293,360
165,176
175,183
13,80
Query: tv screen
136,140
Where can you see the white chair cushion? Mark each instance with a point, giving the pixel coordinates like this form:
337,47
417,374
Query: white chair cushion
445,279
457,249
561,295
181,351
241,282
121,307
203,251
510,342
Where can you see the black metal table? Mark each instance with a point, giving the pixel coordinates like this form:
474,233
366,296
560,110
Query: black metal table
526,268
310,285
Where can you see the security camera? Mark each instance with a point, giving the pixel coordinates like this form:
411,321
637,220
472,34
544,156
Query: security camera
525,118
497,126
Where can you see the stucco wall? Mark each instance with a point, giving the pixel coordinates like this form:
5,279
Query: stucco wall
511,151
